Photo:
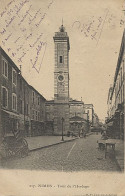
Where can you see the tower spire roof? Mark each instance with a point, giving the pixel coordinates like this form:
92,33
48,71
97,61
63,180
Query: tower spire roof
62,28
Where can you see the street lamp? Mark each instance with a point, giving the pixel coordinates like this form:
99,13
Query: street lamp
62,128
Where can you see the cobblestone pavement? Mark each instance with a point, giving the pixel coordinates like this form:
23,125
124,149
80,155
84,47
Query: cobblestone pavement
78,155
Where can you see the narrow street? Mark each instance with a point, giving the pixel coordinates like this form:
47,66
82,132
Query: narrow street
78,155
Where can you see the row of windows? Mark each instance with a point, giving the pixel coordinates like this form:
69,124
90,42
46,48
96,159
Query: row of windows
120,78
5,68
14,102
5,71
5,99
118,95
22,108
35,115
33,98
14,77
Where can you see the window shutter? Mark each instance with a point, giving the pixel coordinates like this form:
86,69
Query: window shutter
3,66
5,98
5,69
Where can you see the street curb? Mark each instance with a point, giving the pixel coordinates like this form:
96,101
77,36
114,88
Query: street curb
89,133
61,142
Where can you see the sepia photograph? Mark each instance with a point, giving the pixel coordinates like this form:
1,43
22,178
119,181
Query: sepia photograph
62,86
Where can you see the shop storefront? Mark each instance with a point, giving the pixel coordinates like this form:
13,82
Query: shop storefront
115,125
10,122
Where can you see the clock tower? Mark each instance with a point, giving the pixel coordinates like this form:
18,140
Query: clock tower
61,82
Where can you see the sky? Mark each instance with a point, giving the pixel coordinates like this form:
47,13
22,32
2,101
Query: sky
95,29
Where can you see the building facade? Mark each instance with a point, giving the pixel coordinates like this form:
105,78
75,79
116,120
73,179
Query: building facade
9,93
76,108
17,109
49,117
61,112
61,81
116,97
23,104
78,125
96,122
78,119
37,110
89,109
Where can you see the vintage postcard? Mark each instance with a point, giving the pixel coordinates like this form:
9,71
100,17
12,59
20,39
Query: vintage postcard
62,97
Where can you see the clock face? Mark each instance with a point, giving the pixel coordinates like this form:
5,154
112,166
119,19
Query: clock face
60,78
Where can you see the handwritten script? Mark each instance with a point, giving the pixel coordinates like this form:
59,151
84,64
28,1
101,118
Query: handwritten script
22,32
94,27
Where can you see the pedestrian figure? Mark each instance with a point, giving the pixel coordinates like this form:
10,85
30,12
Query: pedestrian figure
84,135
79,132
104,136
82,132
102,132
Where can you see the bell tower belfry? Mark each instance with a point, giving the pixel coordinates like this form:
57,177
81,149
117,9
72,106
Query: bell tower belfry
61,81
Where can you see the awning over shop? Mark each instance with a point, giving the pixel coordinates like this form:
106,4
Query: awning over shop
11,114
77,119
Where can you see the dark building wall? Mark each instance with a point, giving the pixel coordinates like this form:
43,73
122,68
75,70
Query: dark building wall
1,124
18,114
37,112
116,100
61,116
9,86
76,108
24,105
7,81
